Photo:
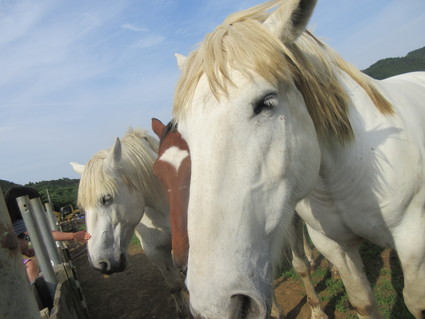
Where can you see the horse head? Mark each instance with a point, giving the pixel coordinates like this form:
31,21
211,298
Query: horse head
254,155
114,206
172,167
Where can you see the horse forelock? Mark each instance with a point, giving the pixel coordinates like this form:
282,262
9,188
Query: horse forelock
94,182
244,44
139,151
222,49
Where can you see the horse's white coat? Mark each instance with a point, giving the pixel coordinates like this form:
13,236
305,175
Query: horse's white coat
174,156
138,205
250,171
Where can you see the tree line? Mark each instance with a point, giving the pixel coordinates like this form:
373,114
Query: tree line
413,61
62,191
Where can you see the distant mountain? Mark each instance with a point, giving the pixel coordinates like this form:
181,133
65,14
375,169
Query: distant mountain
62,191
413,61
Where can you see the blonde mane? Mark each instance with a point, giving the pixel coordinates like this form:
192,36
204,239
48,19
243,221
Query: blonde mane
139,151
244,44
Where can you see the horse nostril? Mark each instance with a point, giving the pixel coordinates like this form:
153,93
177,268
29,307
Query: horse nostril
244,307
103,267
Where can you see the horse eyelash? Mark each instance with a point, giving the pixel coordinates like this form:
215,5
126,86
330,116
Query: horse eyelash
107,199
266,102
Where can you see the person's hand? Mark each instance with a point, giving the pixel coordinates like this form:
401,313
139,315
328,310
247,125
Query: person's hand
81,236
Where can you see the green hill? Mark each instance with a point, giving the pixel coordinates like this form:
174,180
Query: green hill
413,61
62,191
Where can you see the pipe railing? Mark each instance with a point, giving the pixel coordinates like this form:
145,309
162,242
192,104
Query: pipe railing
51,216
16,297
40,249
45,231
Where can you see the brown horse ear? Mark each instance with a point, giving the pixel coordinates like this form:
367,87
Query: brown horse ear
158,127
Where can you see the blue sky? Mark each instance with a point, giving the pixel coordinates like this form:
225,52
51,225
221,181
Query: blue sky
76,74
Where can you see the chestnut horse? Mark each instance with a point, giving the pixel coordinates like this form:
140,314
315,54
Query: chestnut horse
173,168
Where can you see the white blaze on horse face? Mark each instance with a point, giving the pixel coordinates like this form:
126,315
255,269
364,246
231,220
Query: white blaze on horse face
174,156
248,172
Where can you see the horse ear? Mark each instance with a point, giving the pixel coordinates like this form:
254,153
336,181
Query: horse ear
290,20
114,155
158,127
181,60
78,168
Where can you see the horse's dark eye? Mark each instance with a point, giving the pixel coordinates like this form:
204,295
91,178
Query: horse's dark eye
268,102
107,199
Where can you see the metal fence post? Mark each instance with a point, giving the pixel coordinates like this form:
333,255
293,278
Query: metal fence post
37,242
51,216
52,222
45,232
16,297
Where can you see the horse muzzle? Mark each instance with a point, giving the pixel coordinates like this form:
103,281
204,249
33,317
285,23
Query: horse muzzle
109,267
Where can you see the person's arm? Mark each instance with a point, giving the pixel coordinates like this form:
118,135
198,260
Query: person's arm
61,236
81,236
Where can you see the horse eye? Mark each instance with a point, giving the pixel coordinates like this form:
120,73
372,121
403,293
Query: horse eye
107,199
268,102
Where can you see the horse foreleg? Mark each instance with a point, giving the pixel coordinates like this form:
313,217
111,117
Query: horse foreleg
350,267
410,245
277,312
302,267
307,249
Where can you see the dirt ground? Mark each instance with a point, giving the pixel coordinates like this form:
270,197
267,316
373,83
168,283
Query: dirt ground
140,292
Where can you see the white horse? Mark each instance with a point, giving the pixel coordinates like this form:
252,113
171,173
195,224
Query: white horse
120,196
276,122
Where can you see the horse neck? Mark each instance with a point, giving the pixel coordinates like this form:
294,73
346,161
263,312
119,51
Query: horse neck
339,162
158,202
140,176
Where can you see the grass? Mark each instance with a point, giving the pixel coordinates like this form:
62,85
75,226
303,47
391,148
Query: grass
386,280
134,240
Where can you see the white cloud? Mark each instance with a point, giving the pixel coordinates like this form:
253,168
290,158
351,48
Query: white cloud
134,28
149,41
